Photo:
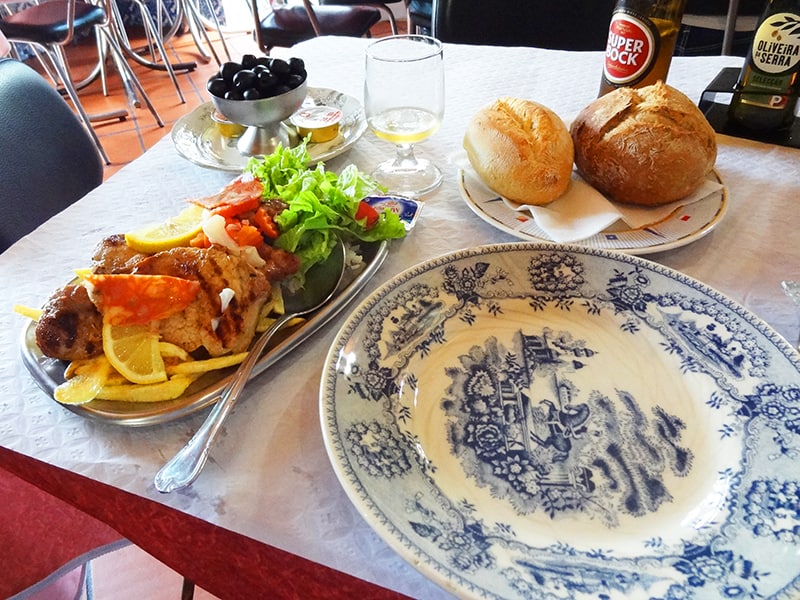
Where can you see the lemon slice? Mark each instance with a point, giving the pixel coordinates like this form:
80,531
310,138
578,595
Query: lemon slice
172,233
133,351
85,379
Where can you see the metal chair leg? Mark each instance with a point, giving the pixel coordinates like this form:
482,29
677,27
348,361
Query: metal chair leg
126,72
66,81
187,590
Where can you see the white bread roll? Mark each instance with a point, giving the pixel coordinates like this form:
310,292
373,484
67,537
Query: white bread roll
648,146
521,150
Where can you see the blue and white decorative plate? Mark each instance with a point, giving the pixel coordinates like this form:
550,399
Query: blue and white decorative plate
539,421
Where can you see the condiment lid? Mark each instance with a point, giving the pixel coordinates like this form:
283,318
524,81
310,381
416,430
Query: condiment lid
406,208
314,117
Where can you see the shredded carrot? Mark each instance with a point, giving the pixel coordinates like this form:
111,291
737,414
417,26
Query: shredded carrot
200,240
244,234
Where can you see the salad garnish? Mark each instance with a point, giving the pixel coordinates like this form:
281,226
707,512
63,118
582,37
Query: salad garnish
320,205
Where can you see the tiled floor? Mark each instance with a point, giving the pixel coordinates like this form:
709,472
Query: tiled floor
126,140
131,573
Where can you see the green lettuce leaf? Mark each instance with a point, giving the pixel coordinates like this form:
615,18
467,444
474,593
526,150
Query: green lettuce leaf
321,204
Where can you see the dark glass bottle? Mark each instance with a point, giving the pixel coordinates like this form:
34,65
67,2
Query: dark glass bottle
766,93
641,40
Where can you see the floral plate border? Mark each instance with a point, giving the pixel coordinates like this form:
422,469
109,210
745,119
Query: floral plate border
524,421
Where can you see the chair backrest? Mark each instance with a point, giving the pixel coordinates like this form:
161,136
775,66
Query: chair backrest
719,8
561,25
49,159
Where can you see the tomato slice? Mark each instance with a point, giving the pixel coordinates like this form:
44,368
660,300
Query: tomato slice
266,225
235,198
367,213
131,299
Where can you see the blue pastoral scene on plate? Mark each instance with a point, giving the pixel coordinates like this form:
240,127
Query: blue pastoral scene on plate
521,421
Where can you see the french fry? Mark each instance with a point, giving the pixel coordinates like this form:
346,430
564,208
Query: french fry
154,392
266,322
168,350
34,314
203,366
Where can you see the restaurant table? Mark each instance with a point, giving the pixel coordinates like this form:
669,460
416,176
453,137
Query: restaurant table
269,477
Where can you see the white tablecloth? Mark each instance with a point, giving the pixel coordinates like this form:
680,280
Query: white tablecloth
269,476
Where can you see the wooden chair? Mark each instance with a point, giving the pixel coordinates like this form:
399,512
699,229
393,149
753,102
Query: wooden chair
49,158
381,6
564,25
287,25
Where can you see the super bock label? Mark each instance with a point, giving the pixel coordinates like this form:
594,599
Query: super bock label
632,46
776,47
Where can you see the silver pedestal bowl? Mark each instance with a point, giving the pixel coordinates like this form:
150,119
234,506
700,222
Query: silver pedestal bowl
264,119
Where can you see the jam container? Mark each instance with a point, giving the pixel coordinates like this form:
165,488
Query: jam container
225,127
321,122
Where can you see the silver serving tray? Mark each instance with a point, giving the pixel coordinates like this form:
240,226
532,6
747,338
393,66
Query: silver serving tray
49,373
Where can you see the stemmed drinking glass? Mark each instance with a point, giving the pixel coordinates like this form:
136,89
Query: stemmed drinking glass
404,104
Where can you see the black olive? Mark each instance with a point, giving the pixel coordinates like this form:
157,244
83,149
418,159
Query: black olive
280,68
217,87
281,88
294,81
249,61
297,66
265,79
251,94
228,70
233,95
244,79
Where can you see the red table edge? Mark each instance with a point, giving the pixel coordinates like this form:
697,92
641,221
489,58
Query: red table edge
222,562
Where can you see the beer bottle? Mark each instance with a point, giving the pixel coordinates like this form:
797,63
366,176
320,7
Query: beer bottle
766,93
641,40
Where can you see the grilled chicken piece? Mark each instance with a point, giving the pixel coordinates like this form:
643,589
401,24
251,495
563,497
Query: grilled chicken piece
113,255
204,323
71,327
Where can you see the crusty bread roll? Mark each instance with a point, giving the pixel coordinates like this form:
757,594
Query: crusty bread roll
521,150
648,146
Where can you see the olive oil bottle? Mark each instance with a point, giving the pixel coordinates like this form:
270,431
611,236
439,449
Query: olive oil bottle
766,93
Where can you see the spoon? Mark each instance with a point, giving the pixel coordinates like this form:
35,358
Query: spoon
321,282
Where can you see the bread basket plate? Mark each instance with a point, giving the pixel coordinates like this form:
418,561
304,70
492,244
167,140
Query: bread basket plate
49,373
197,139
684,226
535,421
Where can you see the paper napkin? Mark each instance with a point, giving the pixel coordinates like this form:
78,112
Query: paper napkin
582,211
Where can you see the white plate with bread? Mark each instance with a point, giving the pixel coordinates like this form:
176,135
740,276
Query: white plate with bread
682,227
647,153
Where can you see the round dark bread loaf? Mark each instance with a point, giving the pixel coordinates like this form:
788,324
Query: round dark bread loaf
646,146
